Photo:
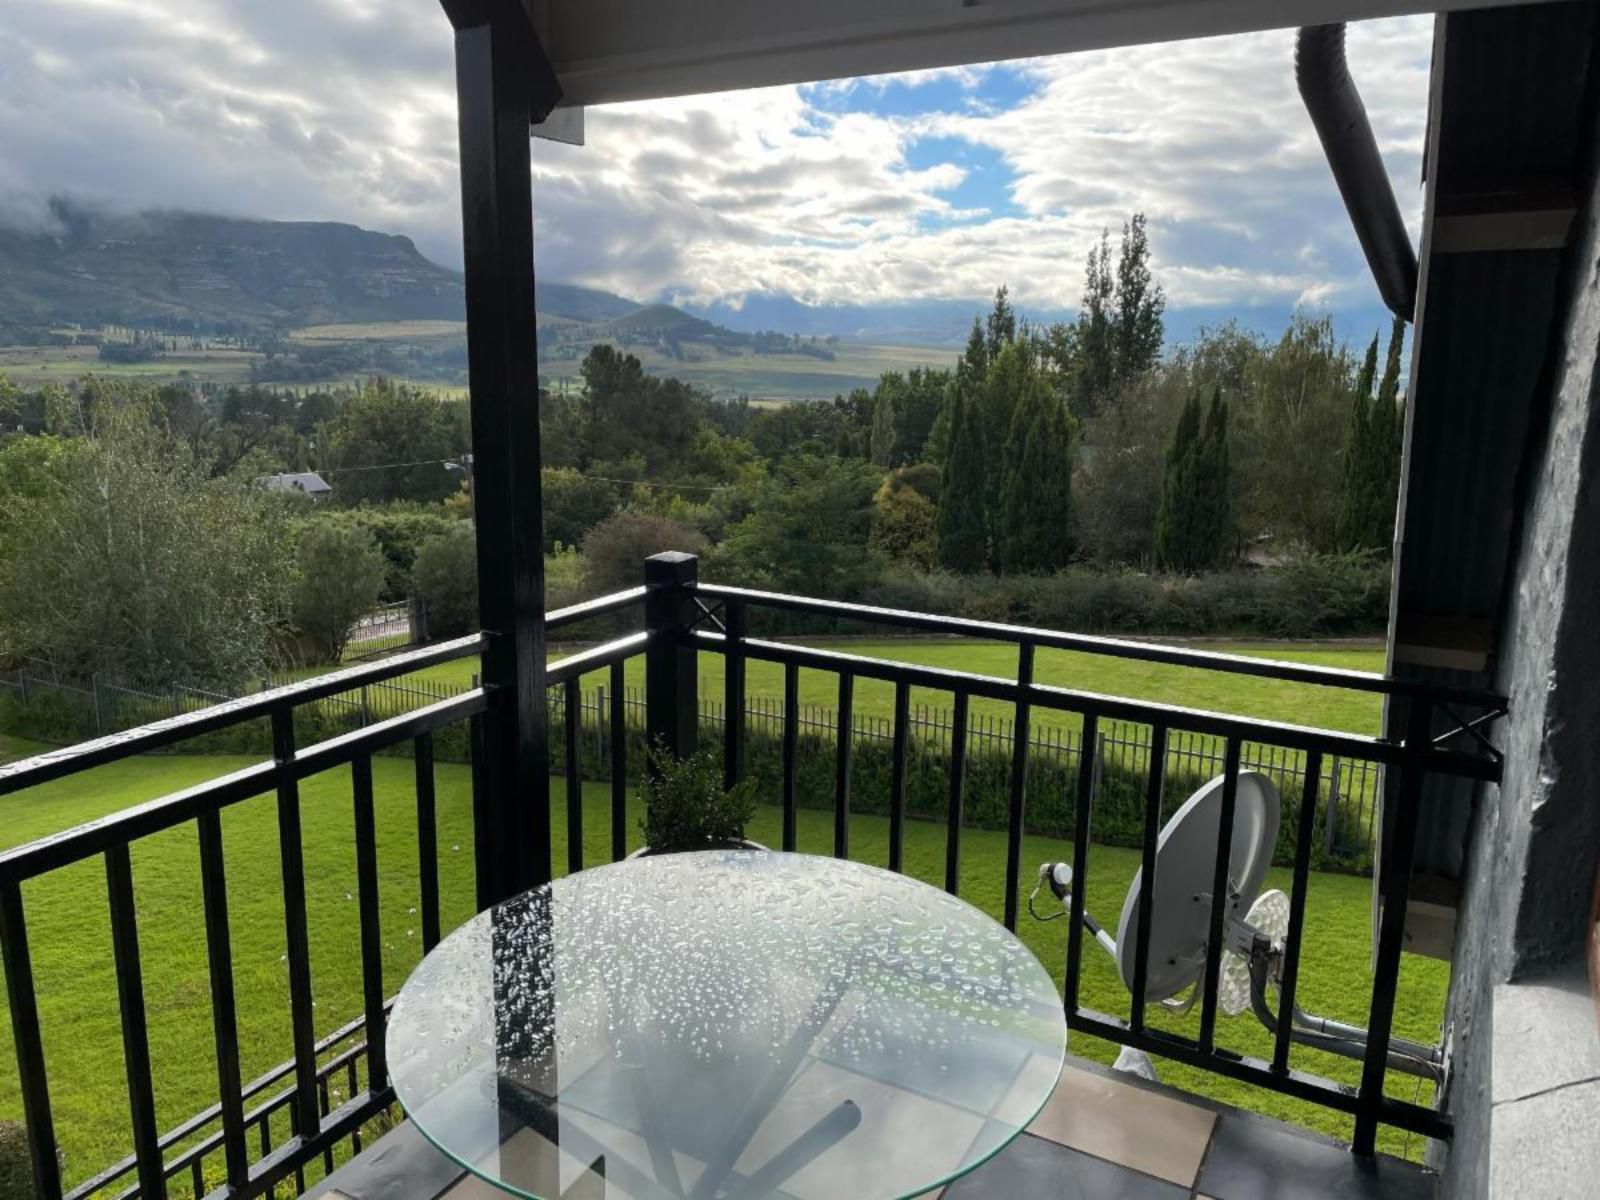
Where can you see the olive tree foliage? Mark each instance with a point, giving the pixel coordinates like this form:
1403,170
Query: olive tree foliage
119,553
339,573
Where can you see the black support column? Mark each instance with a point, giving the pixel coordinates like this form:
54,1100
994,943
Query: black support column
503,85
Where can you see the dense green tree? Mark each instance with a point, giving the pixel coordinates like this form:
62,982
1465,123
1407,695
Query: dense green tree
1000,329
339,573
119,551
1372,457
1194,521
1119,328
905,524
886,424
963,524
574,503
1140,306
809,530
1036,483
626,412
445,575
975,358
390,442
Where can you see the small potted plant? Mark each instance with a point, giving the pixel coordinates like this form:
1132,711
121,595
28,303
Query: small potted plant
686,806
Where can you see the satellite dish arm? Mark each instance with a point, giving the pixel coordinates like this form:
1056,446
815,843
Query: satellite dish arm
1323,1033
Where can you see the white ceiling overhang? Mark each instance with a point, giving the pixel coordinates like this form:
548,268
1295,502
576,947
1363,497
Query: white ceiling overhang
610,50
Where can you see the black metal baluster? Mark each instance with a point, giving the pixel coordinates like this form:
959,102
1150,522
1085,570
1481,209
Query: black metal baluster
574,740
1297,910
197,1176
791,750
1019,783
135,1032
1221,885
841,778
1392,927
224,1013
958,771
326,1108
24,1005
296,938
733,621
1147,887
427,840
371,934
1087,747
897,779
619,763
354,1085
485,853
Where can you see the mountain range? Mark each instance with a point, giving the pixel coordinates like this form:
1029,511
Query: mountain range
195,271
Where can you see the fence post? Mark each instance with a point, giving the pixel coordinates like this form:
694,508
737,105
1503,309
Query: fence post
672,709
94,688
1329,817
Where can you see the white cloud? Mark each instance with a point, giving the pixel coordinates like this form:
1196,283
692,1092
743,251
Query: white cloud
316,109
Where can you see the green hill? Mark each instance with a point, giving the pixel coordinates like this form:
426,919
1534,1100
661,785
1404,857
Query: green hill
206,273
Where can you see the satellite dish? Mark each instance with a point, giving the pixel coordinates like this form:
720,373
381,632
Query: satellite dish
1186,855
1268,916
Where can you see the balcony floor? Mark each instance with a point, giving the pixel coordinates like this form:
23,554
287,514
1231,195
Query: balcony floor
1101,1135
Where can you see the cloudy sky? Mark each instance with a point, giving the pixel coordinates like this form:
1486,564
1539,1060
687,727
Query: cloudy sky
935,185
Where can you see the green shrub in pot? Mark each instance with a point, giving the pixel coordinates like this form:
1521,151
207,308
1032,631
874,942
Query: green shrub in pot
686,806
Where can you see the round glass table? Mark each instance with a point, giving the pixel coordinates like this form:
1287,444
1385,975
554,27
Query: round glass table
726,1025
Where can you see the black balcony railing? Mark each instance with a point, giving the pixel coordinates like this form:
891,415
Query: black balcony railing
683,619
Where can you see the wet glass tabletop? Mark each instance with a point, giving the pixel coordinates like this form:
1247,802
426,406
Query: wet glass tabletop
728,1024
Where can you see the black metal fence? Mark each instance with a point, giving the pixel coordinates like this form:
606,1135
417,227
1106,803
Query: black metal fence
683,619
66,708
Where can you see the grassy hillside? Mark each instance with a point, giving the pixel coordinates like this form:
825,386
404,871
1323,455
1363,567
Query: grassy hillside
70,935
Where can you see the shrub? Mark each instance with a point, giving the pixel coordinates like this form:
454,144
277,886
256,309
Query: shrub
445,576
16,1168
614,550
686,806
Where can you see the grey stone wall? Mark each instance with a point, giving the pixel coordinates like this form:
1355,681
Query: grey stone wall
1535,844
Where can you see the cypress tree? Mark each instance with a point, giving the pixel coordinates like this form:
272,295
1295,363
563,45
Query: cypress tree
1372,460
1175,514
1194,522
885,424
963,525
1216,495
1036,486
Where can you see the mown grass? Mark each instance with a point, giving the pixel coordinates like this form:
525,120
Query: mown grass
1188,687
69,933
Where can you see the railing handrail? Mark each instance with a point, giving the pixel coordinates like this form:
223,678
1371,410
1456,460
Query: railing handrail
994,687
68,760
129,825
1181,656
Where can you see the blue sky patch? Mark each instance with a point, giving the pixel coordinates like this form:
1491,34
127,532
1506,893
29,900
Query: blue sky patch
988,180
997,88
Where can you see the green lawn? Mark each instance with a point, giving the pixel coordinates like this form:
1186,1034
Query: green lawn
70,937
1295,703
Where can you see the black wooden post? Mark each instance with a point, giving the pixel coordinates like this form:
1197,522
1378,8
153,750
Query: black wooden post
672,703
503,84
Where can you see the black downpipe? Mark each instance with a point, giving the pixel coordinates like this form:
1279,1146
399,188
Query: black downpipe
1336,110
